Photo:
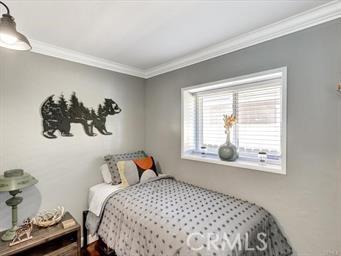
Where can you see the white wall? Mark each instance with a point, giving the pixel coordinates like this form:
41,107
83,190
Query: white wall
65,167
305,201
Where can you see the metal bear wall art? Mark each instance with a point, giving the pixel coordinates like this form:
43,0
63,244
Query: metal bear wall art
58,116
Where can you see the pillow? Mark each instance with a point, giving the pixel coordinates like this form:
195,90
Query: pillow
137,170
106,175
112,160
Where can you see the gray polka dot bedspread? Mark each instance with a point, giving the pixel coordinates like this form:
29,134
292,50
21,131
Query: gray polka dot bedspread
169,217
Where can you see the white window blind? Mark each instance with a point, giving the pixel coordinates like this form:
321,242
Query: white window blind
210,127
256,104
259,120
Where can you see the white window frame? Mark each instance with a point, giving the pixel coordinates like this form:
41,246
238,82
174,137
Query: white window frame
259,76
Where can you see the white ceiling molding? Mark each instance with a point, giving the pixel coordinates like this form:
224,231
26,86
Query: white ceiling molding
74,56
287,26
310,18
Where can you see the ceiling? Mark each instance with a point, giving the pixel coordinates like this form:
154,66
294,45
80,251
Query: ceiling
146,34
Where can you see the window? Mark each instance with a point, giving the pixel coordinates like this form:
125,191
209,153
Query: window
259,103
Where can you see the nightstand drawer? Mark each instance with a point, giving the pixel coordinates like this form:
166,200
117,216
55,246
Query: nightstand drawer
69,250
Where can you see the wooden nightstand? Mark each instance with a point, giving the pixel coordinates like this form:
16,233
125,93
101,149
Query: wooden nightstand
52,241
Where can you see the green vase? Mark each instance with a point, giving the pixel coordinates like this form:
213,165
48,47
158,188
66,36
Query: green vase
228,151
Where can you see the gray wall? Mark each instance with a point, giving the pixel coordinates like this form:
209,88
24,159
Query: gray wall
65,167
305,202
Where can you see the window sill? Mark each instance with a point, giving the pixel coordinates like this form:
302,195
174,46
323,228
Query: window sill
238,163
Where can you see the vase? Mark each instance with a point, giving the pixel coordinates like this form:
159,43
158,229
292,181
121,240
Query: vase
228,151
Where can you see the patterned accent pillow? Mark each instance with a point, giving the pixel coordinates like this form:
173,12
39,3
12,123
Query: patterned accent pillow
112,160
137,170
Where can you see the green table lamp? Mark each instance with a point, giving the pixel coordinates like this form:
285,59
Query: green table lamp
13,181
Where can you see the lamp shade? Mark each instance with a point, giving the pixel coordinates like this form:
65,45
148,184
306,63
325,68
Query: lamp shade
10,37
16,179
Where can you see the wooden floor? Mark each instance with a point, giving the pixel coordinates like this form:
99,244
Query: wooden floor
91,250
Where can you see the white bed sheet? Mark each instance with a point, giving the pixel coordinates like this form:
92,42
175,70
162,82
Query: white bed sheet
98,195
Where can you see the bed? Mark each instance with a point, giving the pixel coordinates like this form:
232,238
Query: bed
168,217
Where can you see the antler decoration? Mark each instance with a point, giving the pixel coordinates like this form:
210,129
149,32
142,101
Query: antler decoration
49,218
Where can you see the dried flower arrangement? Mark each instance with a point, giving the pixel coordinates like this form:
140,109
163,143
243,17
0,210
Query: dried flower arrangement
229,121
228,151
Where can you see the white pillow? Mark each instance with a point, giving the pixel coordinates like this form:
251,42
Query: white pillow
147,175
106,174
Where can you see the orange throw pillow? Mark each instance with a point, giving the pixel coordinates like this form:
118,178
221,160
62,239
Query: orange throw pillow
144,164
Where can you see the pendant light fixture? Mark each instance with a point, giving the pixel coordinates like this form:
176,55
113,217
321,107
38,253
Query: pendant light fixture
9,36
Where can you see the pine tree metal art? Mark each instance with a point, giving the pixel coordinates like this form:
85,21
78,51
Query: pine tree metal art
59,116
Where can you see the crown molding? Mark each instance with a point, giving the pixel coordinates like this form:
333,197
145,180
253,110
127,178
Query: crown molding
307,19
310,18
74,56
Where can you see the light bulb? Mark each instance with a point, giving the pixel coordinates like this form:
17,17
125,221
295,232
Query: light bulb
8,39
